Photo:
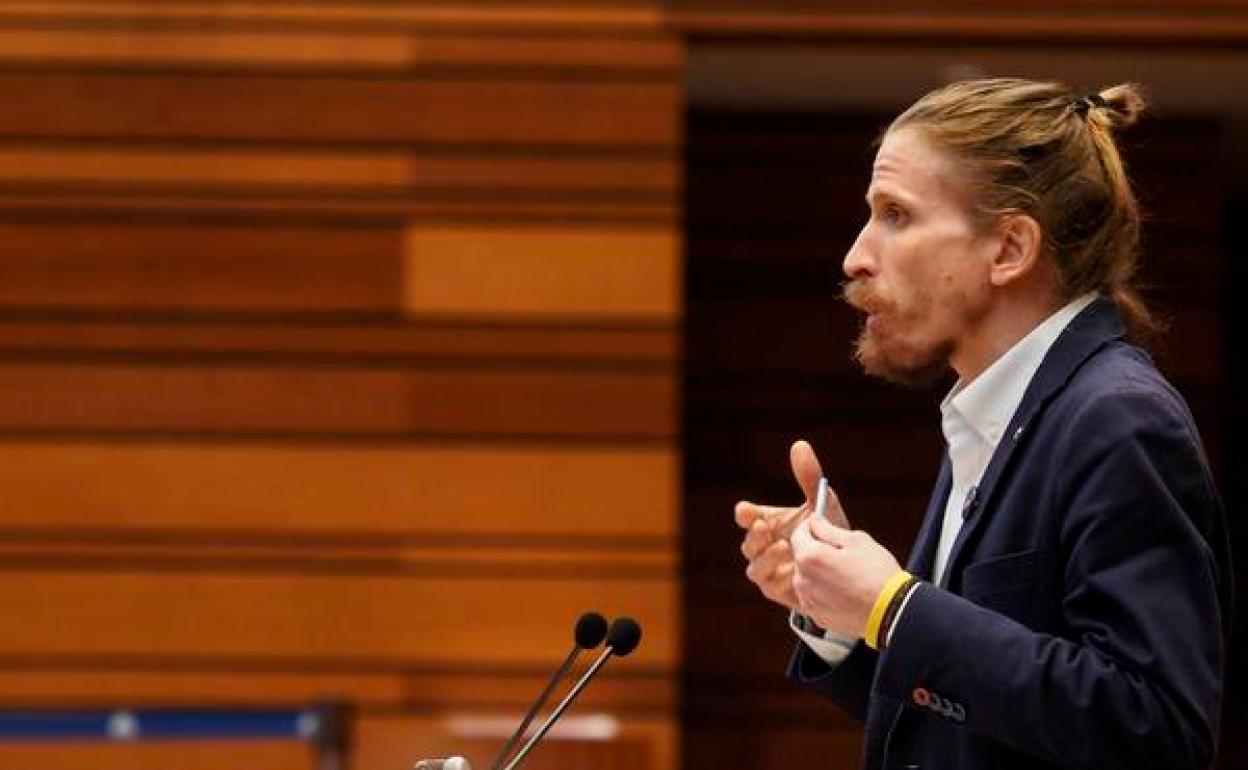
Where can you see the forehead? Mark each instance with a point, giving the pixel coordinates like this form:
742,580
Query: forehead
910,165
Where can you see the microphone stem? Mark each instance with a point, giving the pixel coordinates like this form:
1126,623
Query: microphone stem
562,707
537,705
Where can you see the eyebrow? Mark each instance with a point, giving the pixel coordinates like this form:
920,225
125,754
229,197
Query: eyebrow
875,192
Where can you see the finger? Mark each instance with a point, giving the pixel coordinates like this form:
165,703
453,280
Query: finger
744,513
826,532
764,568
780,588
767,511
774,556
834,512
756,540
806,469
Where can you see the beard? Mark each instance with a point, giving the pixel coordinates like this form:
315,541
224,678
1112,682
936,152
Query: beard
895,359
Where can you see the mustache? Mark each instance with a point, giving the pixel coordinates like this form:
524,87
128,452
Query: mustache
863,296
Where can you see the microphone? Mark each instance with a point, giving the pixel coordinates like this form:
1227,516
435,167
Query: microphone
622,639
450,763
590,630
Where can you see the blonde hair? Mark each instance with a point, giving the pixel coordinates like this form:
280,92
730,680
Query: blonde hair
1040,149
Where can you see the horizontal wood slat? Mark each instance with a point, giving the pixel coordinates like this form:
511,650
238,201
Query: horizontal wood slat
257,399
339,109
395,620
363,51
115,266
1062,22
490,490
344,173
505,692
199,755
629,345
580,273
447,555
618,16
149,684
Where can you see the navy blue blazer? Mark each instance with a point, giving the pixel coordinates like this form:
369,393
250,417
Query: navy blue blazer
1086,608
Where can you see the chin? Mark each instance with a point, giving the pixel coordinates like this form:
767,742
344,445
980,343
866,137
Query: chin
908,365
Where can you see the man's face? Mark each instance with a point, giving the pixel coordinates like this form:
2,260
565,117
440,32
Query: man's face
919,266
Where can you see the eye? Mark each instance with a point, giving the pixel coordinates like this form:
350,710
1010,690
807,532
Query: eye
892,214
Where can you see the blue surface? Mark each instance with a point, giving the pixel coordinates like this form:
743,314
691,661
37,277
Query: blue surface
142,724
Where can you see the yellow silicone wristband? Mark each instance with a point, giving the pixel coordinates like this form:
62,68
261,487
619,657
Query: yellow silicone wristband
871,635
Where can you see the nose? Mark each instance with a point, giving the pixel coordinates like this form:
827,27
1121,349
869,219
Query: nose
860,260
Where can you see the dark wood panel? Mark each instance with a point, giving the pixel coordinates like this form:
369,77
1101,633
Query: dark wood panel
1156,23
202,755
88,335
256,399
118,266
336,109
627,18
341,50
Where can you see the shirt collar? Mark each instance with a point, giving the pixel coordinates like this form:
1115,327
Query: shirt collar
986,403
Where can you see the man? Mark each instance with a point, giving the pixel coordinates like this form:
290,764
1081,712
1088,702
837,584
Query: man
1067,602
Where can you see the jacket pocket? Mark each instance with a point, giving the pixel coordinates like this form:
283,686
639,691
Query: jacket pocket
1006,583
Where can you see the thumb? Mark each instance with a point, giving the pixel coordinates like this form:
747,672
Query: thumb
805,469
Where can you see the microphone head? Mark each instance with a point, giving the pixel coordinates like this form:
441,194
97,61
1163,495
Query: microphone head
624,636
591,629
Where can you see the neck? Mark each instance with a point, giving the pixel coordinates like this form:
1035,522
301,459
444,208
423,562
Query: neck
1006,321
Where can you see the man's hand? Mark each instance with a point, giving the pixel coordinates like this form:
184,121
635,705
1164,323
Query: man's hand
838,574
768,529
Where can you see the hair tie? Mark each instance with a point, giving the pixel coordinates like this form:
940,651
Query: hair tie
1085,103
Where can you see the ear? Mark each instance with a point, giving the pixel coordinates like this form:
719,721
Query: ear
1019,249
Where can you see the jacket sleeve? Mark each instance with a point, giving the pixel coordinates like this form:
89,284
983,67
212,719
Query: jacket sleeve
1133,678
846,683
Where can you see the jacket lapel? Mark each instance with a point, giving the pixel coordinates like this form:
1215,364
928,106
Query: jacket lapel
1092,329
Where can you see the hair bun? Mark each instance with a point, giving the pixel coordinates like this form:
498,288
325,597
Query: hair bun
1123,104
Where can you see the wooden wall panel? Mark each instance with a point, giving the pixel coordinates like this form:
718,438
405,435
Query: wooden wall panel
549,272
339,355
193,485
268,107
110,266
389,401
399,621
1211,23
208,755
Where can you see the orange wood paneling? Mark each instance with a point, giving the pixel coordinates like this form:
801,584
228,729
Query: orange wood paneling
356,172
398,620
626,17
147,683
198,267
338,341
223,107
366,51
179,755
234,399
630,346
485,489
500,695
581,273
